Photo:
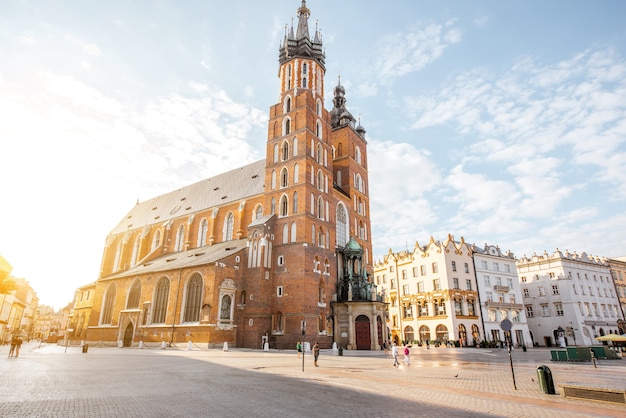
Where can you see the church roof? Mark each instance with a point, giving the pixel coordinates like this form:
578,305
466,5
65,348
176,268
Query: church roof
232,186
195,257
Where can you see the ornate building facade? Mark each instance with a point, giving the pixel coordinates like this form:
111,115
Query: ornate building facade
256,254
432,293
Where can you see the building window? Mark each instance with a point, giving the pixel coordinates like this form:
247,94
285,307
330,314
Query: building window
468,284
202,232
484,265
285,151
284,177
342,225
193,299
436,285
405,289
160,301
226,308
466,267
107,305
279,291
555,289
228,226
133,296
133,258
434,266
454,266
541,291
404,276
423,270
558,307
526,293
545,311
529,311
156,241
284,206
180,238
514,315
414,271
455,282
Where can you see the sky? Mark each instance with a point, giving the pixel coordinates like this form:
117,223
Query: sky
499,122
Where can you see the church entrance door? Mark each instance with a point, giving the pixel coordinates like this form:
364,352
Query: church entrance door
128,335
362,330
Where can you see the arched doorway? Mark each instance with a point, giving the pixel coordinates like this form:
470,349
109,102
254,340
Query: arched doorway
475,335
442,333
409,334
362,332
462,335
128,335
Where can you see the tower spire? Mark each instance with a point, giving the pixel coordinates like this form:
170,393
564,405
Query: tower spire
299,44
303,21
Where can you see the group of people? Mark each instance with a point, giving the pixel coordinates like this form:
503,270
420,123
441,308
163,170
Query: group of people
316,351
394,353
16,344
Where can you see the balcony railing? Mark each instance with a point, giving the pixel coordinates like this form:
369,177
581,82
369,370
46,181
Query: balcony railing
501,288
503,305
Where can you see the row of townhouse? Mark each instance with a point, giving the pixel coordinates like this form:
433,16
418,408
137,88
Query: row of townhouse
452,291
18,305
570,298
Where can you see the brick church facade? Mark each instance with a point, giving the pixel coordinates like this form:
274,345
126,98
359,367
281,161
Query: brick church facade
277,250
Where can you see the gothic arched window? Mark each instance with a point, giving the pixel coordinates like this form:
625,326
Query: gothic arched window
202,232
161,296
180,238
228,226
193,299
107,305
133,296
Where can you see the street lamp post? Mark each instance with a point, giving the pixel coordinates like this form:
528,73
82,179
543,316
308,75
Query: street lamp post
303,325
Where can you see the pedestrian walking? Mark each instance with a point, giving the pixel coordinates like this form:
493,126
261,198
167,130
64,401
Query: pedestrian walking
386,347
406,359
13,345
299,348
18,345
316,354
394,353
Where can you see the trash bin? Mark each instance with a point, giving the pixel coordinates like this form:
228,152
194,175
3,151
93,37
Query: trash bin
85,348
340,351
544,376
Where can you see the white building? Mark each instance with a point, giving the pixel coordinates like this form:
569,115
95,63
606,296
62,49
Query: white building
500,295
569,298
431,293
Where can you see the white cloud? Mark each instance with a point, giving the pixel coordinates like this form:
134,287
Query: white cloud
400,176
407,51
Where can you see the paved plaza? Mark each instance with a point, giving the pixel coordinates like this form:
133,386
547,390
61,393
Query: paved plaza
52,381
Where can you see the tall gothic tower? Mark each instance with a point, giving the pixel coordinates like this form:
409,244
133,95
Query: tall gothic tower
299,193
316,196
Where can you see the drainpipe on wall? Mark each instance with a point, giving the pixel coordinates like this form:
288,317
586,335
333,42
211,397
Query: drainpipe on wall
175,307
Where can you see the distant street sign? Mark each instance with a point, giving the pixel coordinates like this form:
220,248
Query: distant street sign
506,325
